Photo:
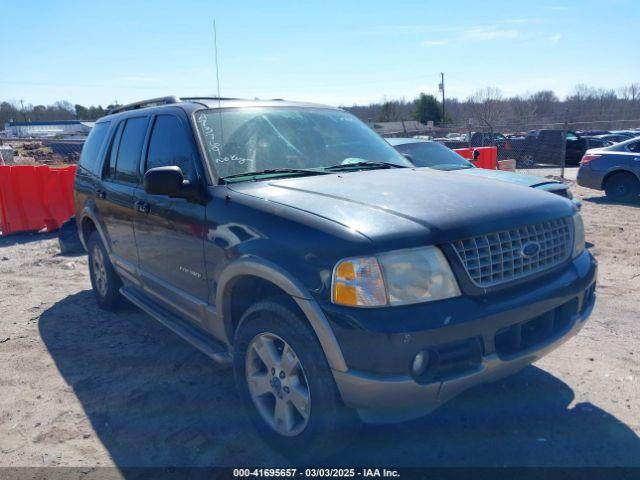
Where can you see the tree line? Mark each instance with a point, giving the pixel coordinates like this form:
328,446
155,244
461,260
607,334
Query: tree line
489,108
12,111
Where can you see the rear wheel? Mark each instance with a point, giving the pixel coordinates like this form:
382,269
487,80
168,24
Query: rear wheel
104,279
286,384
527,161
622,187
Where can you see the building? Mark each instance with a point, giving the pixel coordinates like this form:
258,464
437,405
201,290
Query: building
55,128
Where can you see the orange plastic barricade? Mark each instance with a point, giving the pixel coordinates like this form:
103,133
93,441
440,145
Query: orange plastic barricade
488,156
33,198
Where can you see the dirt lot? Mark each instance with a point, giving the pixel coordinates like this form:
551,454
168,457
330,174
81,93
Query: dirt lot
81,387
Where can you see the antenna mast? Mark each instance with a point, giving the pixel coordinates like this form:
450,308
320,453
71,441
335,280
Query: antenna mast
215,48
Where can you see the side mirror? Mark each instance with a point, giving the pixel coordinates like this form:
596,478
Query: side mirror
476,154
166,181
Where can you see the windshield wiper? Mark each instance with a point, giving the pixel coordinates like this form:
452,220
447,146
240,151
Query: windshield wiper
271,171
366,163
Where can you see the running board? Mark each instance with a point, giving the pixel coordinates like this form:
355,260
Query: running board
196,337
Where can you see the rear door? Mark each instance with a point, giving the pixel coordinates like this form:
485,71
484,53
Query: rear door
170,231
116,197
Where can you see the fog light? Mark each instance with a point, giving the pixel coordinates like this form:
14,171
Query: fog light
420,363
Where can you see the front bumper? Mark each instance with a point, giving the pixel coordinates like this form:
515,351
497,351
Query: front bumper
396,395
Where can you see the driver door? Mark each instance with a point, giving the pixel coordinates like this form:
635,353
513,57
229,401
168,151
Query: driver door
170,231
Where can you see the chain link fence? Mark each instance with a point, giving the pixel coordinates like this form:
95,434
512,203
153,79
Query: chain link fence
555,146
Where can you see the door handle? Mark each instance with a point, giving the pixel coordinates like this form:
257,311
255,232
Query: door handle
101,193
142,207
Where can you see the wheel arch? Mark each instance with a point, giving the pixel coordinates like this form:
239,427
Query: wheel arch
616,171
264,271
88,223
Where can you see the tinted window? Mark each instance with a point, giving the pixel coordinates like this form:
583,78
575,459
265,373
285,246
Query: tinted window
130,149
112,154
92,147
571,137
170,146
433,155
634,147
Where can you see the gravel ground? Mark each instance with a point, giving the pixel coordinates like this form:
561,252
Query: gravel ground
82,387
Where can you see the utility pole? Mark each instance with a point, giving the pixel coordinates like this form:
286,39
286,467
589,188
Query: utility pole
442,90
24,115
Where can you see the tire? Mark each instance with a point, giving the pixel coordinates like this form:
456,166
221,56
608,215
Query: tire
622,187
68,238
527,161
105,281
272,326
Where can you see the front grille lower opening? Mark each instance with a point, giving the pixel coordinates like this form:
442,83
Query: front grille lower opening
519,337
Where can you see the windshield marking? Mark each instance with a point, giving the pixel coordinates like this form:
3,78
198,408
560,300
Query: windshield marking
210,138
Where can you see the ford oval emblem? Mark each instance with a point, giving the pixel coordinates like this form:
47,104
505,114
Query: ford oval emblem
530,249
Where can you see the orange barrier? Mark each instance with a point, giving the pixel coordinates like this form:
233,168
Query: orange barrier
33,198
488,156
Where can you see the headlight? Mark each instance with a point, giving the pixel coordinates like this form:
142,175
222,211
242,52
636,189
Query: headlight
395,278
578,235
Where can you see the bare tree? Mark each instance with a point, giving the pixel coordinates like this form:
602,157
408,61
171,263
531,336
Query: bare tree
487,107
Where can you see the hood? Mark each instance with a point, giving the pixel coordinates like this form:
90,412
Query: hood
511,177
411,202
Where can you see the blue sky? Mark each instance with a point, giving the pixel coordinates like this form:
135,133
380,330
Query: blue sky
336,52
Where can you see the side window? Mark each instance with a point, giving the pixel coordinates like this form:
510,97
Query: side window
112,154
571,137
130,149
634,147
92,146
169,145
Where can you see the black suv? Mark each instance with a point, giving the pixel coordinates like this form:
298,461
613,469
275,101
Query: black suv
290,240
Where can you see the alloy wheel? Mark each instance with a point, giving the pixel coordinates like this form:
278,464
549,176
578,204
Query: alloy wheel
99,271
278,384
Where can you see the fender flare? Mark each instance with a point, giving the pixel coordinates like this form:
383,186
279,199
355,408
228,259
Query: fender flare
253,266
87,212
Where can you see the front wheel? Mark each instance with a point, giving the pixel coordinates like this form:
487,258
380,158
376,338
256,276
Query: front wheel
286,384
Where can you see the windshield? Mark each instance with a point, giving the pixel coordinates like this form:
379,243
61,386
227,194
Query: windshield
434,155
250,140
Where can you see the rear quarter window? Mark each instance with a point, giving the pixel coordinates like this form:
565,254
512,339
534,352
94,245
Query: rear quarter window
634,147
90,158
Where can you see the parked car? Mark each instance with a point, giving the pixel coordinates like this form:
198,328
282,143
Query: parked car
484,139
629,133
292,242
614,169
545,147
613,137
424,153
592,133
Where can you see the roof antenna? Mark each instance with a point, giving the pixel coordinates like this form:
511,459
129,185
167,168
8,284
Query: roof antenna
215,48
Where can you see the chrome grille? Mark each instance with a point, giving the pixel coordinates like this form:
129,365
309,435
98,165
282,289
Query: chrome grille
498,258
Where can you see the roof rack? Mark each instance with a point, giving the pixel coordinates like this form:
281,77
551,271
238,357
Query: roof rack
208,98
153,102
